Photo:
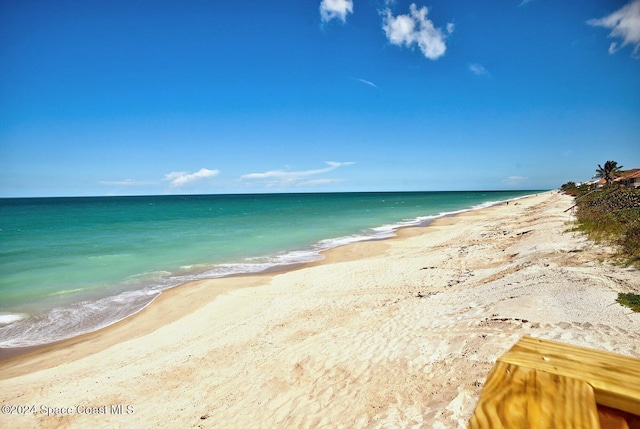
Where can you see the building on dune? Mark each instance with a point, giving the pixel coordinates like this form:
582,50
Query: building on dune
629,178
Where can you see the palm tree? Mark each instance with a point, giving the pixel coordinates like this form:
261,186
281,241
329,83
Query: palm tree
610,171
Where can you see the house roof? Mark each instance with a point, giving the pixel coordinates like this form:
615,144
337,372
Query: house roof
635,173
629,174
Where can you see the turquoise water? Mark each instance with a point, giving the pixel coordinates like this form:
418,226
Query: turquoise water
73,265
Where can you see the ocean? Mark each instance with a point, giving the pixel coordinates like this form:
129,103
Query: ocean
73,265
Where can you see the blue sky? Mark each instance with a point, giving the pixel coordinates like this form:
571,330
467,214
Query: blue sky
139,97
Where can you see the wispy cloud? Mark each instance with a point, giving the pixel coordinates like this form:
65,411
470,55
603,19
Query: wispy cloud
524,3
366,82
180,178
624,23
126,182
515,180
335,9
317,182
416,29
283,178
478,69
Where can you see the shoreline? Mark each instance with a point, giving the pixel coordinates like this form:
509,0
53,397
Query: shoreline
9,354
397,332
11,357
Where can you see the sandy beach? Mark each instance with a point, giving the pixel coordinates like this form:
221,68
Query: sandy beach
394,333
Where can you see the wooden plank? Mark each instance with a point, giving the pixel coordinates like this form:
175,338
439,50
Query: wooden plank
615,378
521,397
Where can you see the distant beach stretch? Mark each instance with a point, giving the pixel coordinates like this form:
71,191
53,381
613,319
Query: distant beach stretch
400,332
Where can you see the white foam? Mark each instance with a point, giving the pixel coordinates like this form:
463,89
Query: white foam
485,205
259,264
8,318
18,330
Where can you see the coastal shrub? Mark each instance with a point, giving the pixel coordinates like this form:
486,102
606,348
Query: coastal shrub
570,188
612,198
630,242
631,300
612,214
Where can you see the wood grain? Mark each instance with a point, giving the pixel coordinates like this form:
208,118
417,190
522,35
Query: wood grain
615,379
521,397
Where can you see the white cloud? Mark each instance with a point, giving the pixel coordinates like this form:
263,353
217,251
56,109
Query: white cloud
416,29
282,178
624,23
524,2
478,69
335,9
180,178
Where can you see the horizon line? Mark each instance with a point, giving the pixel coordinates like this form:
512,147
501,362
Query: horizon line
269,193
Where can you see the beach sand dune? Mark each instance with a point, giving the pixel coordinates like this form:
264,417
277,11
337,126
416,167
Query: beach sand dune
394,333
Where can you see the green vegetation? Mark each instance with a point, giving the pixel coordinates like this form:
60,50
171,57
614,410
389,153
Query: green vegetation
609,214
631,300
610,171
612,215
577,190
